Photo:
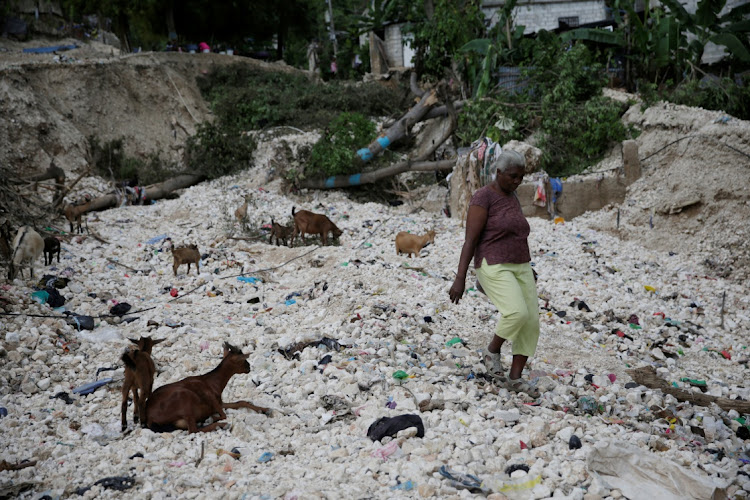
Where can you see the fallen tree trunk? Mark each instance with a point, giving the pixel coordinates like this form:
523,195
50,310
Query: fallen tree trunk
153,192
339,181
647,376
400,129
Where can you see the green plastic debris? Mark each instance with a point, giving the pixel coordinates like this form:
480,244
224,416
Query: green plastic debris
694,382
368,245
400,375
634,326
680,352
344,264
454,341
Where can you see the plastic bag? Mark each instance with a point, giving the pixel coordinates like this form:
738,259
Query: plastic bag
642,474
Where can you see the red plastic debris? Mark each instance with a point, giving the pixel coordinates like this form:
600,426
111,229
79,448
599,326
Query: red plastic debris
726,354
620,334
612,377
663,316
523,445
173,292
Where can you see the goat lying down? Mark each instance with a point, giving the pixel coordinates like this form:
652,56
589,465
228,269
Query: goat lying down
183,404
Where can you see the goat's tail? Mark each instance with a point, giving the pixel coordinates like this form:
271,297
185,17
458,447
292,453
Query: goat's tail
292,210
129,359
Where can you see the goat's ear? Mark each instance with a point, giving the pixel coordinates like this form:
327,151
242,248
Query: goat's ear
158,341
134,341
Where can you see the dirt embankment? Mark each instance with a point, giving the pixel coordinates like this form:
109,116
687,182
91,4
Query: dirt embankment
52,103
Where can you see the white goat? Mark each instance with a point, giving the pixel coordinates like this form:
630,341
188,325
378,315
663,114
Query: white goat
27,246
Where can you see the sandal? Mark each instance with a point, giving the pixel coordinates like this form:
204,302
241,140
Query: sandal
493,363
519,385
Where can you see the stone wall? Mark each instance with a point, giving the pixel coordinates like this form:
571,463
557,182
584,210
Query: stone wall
578,197
536,15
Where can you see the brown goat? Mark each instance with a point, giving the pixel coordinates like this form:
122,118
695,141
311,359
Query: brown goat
74,213
139,378
280,233
411,243
51,247
309,223
186,255
183,404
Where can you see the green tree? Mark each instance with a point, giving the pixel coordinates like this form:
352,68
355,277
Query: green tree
437,40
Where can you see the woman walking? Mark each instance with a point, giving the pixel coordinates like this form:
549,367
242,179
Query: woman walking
497,239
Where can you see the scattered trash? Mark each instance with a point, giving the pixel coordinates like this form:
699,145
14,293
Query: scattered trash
3,412
643,474
292,351
118,483
454,341
156,239
574,443
91,386
463,481
40,296
400,375
406,486
265,457
120,309
81,322
249,279
234,455
386,451
64,396
390,426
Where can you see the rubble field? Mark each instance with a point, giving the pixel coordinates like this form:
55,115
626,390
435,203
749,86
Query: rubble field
339,336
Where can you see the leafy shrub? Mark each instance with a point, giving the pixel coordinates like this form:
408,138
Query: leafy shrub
111,162
335,152
247,98
718,94
216,150
561,104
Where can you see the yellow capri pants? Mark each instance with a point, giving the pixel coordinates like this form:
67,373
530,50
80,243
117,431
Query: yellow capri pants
512,289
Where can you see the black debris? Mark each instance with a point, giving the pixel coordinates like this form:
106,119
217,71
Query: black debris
390,426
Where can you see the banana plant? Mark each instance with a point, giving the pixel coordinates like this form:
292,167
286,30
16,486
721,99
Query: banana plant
495,51
729,30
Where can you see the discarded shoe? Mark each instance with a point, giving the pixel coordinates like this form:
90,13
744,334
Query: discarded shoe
493,364
519,385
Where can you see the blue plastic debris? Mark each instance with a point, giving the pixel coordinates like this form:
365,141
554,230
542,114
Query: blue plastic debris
266,457
407,486
47,50
290,302
91,386
156,239
249,279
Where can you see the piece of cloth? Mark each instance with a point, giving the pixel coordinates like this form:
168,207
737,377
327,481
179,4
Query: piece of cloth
557,187
512,289
505,235
390,426
540,195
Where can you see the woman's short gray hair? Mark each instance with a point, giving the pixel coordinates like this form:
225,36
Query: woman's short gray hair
508,159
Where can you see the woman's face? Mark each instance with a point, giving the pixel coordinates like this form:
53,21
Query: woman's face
509,180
